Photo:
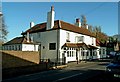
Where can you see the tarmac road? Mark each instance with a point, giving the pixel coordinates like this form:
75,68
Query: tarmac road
79,72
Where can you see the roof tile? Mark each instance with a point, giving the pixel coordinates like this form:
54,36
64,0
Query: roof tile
60,25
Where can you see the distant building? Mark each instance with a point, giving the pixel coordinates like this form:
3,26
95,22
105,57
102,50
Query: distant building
102,49
61,41
117,36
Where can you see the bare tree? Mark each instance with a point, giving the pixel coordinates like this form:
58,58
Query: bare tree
90,28
83,21
3,30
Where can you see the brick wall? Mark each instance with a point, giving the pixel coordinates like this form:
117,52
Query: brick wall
19,58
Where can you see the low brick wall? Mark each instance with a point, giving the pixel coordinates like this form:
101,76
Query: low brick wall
17,71
16,63
19,58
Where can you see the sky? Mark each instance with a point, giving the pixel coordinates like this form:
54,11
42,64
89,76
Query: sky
18,15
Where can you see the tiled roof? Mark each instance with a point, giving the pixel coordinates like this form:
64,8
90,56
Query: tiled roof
98,43
18,40
101,36
92,47
58,24
74,45
78,45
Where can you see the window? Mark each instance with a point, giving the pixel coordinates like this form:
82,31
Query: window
103,51
72,53
87,53
9,47
15,47
67,37
80,39
19,47
67,53
52,46
12,47
100,51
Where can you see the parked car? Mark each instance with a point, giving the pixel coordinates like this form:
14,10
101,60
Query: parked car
114,67
112,54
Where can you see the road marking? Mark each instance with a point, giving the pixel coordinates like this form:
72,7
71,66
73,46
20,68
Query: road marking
67,77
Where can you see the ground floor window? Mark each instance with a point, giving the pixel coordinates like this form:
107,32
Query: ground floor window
103,51
71,52
52,46
100,51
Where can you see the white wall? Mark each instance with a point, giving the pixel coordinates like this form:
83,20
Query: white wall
21,47
87,39
27,47
51,37
46,38
103,52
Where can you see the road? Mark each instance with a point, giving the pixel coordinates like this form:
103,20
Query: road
78,72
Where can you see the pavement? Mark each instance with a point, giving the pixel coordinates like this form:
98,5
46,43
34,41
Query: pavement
81,63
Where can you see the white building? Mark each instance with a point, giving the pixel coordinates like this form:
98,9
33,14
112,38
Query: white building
101,51
20,44
61,41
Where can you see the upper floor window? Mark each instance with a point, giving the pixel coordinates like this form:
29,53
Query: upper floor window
67,37
80,39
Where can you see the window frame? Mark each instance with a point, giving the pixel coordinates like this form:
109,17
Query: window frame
67,36
52,46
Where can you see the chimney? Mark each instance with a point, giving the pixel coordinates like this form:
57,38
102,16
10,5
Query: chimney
1,13
50,18
78,23
31,24
28,37
86,26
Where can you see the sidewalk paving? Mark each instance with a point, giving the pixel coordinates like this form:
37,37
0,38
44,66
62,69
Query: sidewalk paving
83,63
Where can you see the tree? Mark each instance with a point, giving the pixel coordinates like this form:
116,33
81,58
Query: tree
90,28
3,30
83,21
101,36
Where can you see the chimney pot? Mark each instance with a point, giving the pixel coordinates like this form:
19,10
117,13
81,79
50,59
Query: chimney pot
77,20
31,24
52,8
78,23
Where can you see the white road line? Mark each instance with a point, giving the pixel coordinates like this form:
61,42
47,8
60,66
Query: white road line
67,77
